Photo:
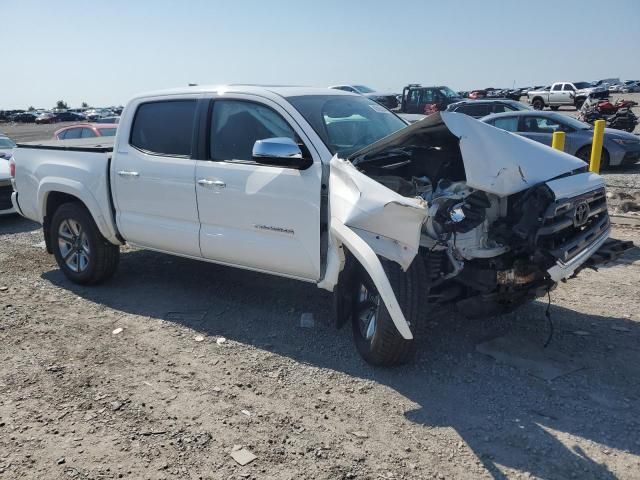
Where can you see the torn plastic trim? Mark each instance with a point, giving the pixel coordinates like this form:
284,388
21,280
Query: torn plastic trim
388,222
562,270
371,263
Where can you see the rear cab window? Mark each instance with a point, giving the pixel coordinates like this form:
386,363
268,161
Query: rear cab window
164,127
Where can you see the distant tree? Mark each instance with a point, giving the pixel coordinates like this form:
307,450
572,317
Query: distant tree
85,105
61,104
31,109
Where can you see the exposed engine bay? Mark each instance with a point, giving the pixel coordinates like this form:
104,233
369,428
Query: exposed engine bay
487,252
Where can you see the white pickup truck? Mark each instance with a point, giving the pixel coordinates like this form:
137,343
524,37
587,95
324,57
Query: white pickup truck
564,94
325,187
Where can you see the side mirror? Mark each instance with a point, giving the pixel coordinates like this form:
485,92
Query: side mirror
280,152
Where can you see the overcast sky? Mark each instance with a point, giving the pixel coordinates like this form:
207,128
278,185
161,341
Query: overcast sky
102,52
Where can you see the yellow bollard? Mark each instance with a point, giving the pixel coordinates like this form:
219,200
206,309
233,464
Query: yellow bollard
557,141
596,146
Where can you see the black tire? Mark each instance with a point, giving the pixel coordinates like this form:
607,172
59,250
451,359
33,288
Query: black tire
584,154
384,346
537,104
83,254
555,108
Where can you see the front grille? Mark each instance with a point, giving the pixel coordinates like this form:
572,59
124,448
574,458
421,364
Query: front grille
5,197
564,232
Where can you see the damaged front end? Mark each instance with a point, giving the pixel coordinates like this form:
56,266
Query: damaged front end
497,219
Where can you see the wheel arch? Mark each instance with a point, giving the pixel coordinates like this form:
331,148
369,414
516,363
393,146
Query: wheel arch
54,192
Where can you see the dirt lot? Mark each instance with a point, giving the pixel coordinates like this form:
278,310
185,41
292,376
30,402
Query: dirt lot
167,398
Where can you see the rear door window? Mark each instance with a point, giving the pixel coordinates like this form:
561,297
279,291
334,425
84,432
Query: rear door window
164,127
88,133
73,133
540,125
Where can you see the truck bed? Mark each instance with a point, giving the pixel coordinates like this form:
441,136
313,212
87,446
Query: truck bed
95,145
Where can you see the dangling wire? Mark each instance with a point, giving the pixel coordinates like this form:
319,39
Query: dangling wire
547,314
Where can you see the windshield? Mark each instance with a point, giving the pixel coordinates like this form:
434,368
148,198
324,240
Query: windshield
363,89
581,85
519,106
6,143
346,124
447,92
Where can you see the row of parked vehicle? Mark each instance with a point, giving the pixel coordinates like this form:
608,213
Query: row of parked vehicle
98,115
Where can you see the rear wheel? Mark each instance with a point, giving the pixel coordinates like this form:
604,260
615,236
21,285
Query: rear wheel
82,253
376,336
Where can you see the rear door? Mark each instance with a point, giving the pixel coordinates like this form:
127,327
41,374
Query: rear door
257,216
153,176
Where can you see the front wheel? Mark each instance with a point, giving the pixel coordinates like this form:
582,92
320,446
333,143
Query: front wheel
584,154
375,335
82,253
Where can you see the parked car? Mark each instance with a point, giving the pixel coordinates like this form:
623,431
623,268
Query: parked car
631,86
70,117
24,117
6,149
616,88
97,113
113,119
349,198
86,130
46,117
619,148
389,100
484,107
564,94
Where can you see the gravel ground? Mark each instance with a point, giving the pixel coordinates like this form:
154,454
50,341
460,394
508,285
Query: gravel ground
133,379
165,398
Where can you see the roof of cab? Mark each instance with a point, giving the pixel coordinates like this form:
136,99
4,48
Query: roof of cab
264,90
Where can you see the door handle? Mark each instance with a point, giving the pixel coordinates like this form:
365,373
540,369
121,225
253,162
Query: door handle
126,173
205,182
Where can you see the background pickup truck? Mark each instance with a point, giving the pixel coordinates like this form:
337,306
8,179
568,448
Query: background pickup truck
563,94
325,187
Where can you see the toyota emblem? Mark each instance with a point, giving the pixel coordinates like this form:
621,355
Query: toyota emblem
581,214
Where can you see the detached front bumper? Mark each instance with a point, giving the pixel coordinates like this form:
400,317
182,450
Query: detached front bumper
601,251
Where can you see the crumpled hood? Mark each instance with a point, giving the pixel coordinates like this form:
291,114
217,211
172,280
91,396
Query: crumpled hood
495,161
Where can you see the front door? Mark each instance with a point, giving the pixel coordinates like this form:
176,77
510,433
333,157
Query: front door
257,216
153,177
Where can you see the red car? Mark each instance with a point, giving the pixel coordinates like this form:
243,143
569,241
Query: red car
86,130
